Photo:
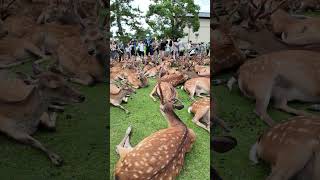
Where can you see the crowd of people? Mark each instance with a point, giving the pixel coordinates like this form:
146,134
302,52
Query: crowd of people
156,49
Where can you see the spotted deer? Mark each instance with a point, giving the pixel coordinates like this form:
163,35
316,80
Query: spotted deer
291,148
201,111
281,76
174,79
198,86
158,156
169,93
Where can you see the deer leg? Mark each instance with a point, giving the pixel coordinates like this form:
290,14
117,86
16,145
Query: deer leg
221,123
192,92
198,116
261,110
153,92
124,147
282,105
86,80
7,61
120,106
49,120
35,50
28,140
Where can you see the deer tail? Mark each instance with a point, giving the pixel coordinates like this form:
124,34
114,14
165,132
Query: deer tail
189,109
253,155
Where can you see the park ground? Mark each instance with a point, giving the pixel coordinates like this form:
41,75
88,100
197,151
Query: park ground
237,111
145,119
80,139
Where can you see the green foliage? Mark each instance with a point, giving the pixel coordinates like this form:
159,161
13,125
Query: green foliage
168,18
123,14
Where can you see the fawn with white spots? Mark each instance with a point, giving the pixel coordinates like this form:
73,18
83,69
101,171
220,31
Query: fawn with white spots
292,149
158,156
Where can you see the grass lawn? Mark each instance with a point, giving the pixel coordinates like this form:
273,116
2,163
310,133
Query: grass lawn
237,111
80,140
145,118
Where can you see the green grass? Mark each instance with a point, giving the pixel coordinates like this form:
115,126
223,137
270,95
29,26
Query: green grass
80,140
237,111
145,118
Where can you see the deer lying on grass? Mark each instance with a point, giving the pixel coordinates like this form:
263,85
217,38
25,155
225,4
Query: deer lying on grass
169,93
158,156
198,86
202,70
292,149
20,118
201,111
221,144
14,51
122,96
174,79
282,76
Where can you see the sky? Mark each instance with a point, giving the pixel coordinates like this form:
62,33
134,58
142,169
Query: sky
144,5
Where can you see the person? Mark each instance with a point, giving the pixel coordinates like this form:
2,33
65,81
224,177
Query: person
128,50
121,50
181,47
155,47
175,48
162,48
168,48
141,49
113,47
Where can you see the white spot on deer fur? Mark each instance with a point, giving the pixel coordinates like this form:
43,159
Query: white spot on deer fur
136,164
269,134
149,169
274,137
302,130
135,176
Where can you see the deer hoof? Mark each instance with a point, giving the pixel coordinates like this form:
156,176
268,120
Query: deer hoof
55,159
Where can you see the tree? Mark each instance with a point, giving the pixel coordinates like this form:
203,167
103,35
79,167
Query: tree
124,15
168,18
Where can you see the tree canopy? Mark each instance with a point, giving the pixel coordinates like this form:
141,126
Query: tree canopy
124,15
168,18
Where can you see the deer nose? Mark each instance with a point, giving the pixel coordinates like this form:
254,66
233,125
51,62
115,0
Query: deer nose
91,51
82,98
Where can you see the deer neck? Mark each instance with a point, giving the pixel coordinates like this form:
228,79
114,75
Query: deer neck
172,118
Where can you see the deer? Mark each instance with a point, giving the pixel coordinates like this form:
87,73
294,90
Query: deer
121,96
160,155
221,144
174,79
297,137
14,51
21,116
281,76
201,111
169,93
202,70
198,86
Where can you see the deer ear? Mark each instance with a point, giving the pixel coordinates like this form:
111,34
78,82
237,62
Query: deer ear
36,69
48,82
